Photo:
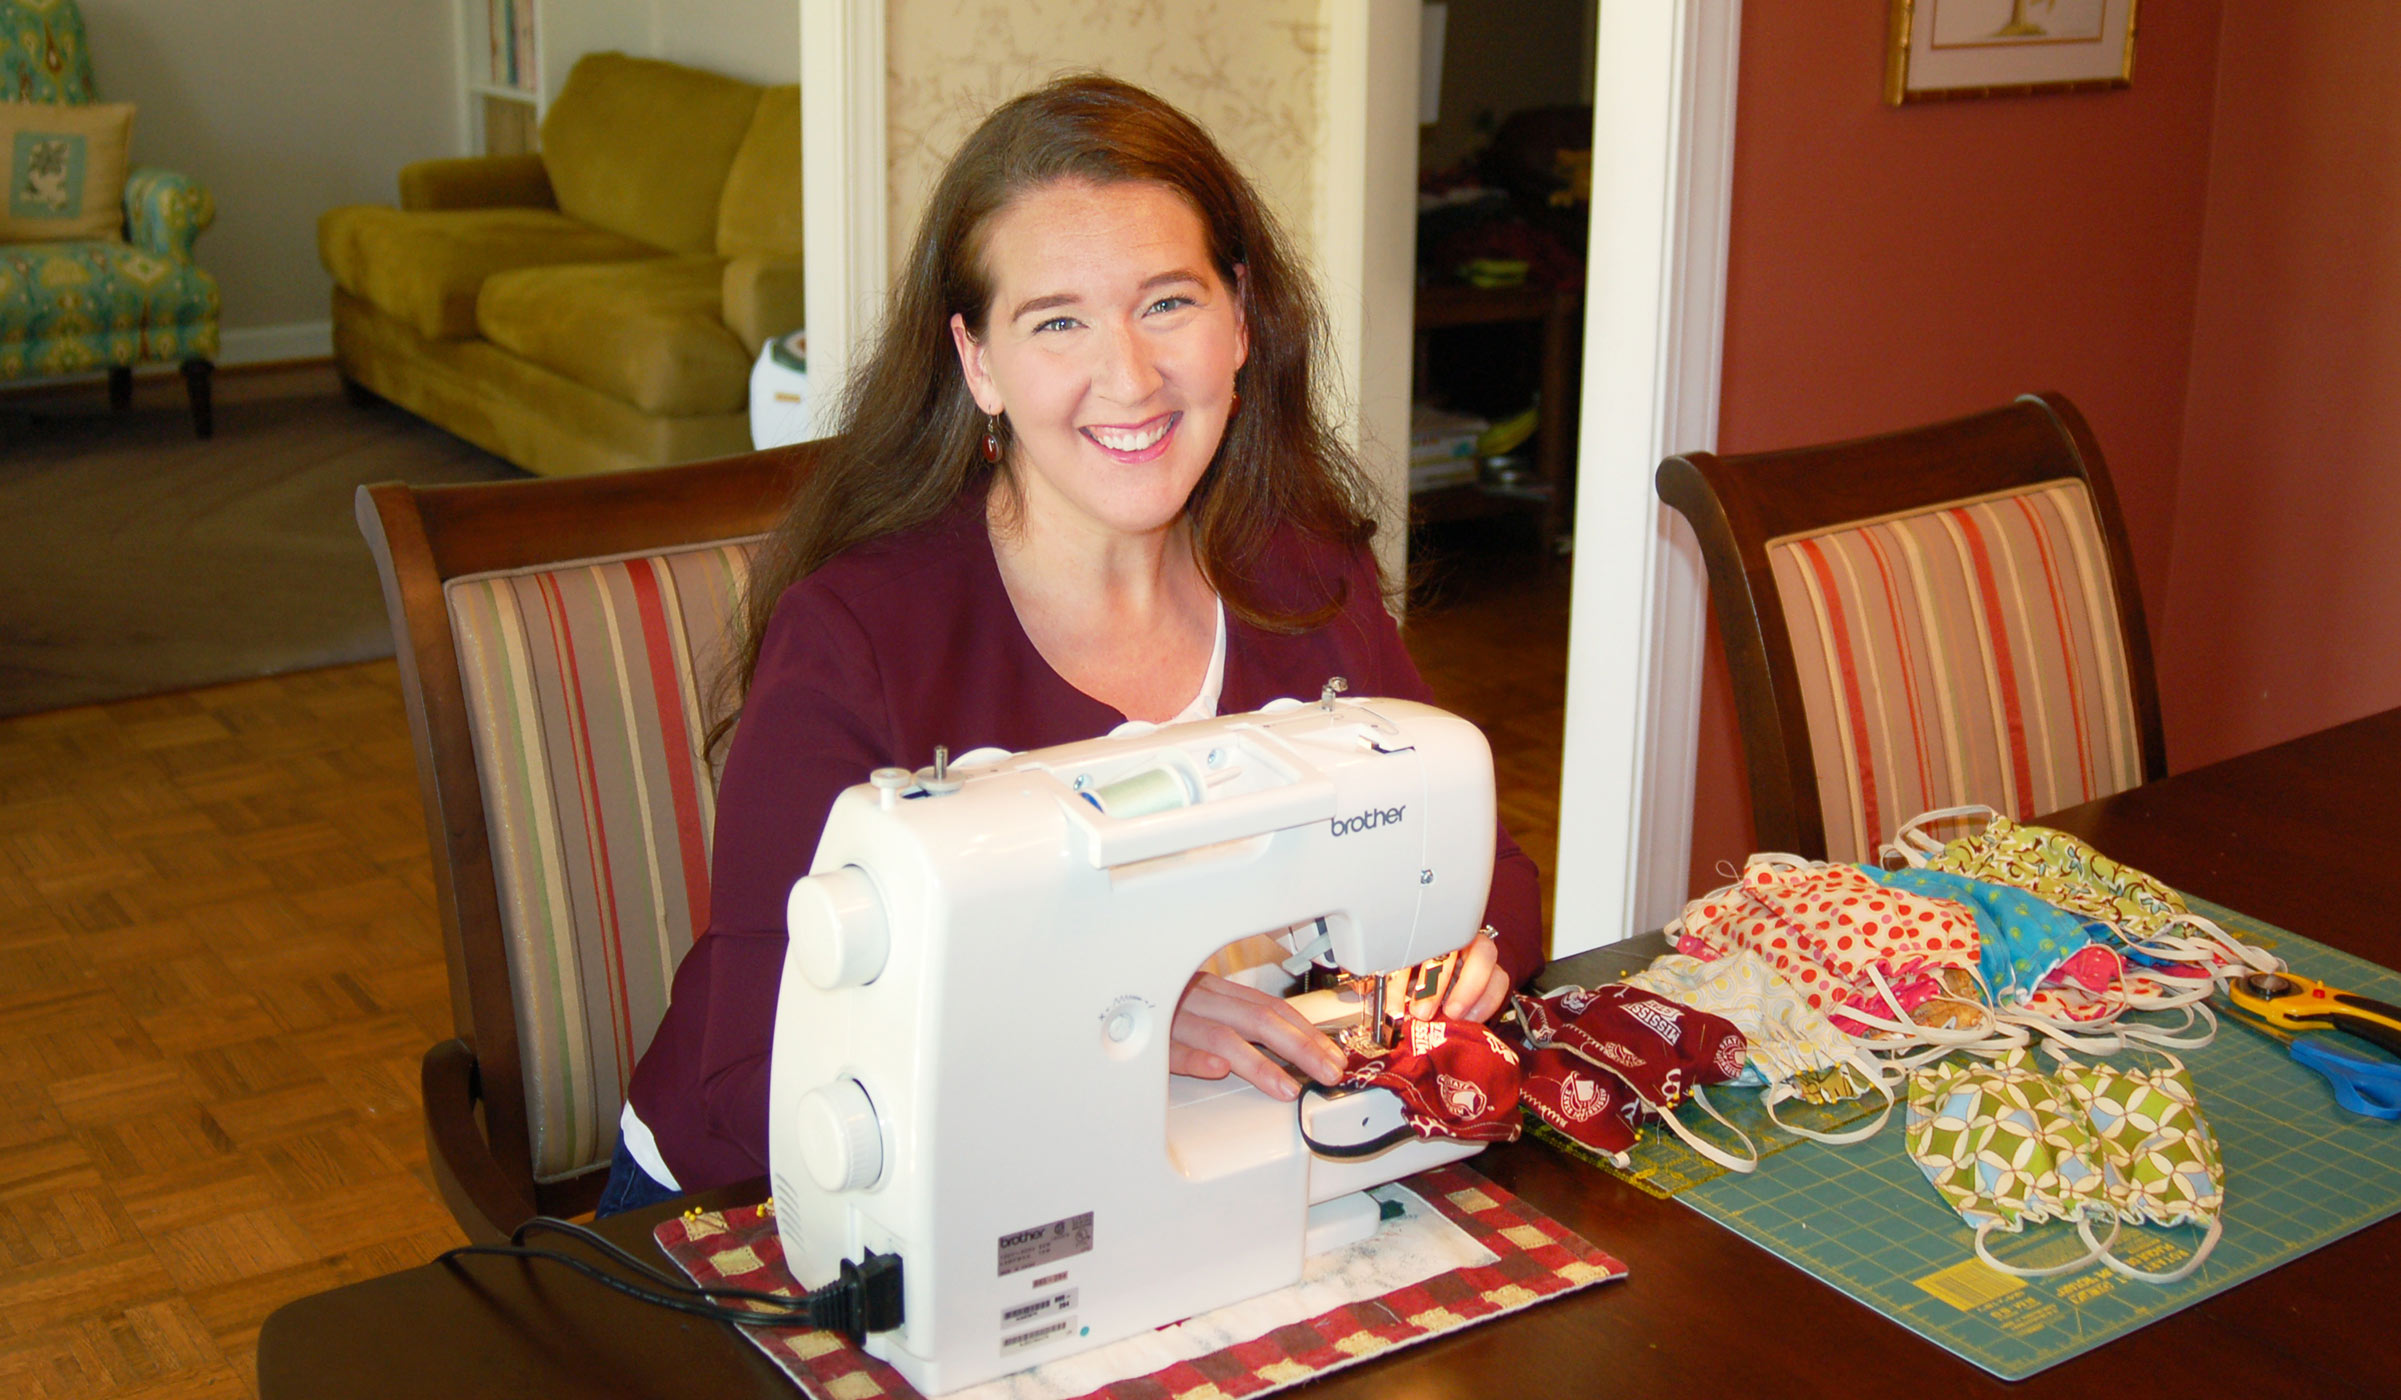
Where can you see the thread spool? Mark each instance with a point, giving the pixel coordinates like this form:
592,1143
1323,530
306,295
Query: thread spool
1138,795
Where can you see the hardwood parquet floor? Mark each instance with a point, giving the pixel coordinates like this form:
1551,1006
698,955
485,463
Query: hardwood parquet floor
220,961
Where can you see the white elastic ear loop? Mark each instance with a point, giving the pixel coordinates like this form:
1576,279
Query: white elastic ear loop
2099,1251
1782,1092
2256,958
1715,1154
2178,1274
1912,844
2167,1038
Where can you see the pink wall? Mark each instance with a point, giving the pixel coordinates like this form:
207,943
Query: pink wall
1894,266
2283,604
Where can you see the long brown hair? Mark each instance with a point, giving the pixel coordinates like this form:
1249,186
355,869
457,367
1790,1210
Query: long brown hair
908,435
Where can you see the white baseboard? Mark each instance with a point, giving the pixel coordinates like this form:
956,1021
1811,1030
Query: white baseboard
253,345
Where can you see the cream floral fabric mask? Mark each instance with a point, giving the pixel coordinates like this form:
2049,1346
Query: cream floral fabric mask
1794,1051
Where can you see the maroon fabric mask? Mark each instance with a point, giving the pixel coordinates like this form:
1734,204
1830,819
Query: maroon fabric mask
1455,1079
1600,1058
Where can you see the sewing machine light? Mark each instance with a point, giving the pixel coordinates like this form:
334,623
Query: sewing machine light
837,925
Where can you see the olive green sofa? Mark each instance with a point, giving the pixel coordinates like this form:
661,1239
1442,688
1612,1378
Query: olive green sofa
597,306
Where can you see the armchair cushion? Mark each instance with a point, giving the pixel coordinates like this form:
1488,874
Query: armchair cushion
166,212
426,267
641,147
585,690
66,308
647,332
764,298
476,182
760,211
66,170
1966,653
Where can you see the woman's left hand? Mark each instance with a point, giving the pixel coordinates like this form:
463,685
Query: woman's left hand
1481,987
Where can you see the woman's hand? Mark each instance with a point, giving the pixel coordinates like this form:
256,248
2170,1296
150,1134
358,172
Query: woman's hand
1481,987
1220,1028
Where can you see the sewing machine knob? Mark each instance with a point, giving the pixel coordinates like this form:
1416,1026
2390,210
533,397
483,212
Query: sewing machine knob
837,925
839,1141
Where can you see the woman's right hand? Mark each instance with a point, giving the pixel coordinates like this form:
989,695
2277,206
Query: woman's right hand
1222,1028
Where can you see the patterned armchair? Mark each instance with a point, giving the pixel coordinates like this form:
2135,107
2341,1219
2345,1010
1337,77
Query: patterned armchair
77,305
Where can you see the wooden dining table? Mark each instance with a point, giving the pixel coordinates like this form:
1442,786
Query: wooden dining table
2304,835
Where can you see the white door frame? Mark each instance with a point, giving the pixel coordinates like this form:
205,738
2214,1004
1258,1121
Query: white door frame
844,181
1663,146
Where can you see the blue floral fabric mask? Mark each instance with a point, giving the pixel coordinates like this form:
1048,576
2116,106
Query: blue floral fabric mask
2023,939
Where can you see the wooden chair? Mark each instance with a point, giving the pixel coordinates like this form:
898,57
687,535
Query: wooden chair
1930,618
557,642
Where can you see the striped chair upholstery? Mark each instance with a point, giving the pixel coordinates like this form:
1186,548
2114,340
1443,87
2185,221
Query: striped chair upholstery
1970,652
585,685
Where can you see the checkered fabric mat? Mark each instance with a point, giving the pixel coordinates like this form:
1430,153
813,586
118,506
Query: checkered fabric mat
1536,1258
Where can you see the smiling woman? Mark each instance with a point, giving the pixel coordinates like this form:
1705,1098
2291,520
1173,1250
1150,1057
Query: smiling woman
1081,479
1111,353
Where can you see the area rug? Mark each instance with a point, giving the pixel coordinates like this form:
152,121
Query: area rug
136,558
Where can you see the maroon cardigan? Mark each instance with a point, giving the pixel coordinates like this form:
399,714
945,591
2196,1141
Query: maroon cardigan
898,645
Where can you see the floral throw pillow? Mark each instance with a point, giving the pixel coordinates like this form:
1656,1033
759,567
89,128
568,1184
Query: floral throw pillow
66,170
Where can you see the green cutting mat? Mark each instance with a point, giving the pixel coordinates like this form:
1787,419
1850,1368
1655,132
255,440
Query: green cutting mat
2300,1172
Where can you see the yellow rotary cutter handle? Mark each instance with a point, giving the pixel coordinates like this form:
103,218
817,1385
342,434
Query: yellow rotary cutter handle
2292,1002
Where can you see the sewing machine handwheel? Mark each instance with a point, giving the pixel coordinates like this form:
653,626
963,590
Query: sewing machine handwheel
836,921
840,1141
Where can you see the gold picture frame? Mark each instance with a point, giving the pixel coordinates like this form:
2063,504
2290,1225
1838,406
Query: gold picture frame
1941,49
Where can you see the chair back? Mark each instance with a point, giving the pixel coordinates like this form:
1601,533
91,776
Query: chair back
1927,619
559,640
43,55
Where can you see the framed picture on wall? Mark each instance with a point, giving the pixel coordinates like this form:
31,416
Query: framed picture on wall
1992,48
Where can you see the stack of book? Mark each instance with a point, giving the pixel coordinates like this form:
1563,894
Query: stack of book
510,25
1442,448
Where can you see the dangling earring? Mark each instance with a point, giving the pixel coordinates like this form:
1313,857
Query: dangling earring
1235,407
991,438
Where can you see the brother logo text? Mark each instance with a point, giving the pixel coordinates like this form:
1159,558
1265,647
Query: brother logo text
1368,820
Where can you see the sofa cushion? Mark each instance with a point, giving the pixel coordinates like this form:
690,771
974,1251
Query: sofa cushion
760,212
425,266
647,332
640,147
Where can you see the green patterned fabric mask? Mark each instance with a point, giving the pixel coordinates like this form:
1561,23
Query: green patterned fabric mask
2007,1144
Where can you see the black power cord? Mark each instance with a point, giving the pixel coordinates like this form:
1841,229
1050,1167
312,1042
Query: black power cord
866,1298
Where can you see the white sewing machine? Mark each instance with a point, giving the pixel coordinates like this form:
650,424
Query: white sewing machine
970,1054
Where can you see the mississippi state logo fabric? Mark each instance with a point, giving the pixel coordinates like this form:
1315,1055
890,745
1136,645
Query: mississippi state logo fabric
1598,1059
1455,1079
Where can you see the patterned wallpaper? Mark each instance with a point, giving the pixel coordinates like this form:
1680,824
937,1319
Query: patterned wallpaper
1251,71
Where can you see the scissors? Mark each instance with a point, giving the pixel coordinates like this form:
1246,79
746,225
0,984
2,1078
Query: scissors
2280,1004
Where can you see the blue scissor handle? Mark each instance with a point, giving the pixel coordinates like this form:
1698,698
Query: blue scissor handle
2371,1087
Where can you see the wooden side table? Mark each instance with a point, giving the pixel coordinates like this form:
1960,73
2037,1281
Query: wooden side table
1559,311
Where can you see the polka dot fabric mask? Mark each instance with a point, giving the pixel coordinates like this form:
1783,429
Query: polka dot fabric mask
1865,954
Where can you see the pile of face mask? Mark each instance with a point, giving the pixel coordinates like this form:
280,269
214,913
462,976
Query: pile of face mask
2008,933
1847,980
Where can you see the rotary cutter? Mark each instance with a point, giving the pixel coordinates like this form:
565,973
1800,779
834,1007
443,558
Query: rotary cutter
2286,1004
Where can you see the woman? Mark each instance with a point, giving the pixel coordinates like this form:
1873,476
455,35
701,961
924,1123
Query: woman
1081,479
